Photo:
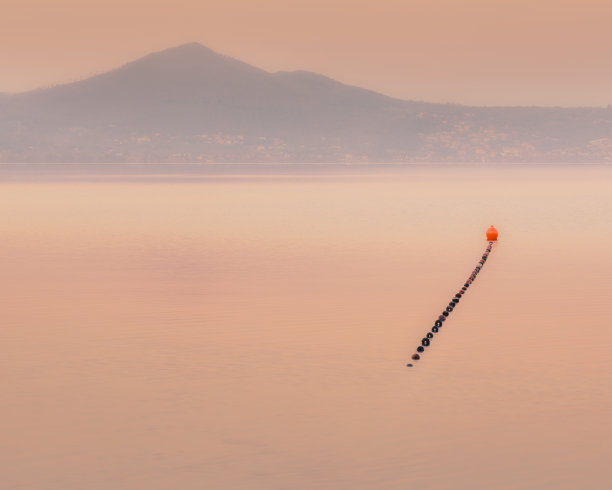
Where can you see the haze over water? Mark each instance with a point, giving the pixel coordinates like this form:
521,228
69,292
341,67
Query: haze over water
236,330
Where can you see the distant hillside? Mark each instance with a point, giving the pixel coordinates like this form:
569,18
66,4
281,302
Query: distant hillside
192,104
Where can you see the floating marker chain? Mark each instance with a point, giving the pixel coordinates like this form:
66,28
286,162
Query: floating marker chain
425,341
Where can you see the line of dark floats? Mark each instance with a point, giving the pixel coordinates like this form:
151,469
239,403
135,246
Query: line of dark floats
426,341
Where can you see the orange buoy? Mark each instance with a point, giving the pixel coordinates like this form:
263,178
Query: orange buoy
492,234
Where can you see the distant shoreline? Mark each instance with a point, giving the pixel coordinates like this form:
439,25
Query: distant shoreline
198,172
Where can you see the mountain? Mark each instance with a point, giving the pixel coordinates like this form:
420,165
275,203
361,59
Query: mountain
189,103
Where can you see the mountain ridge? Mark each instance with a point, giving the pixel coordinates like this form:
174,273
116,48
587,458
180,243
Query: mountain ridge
189,103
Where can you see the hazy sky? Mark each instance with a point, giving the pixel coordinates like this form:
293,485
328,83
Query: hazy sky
544,52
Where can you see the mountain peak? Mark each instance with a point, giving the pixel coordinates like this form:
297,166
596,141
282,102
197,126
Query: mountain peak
188,48
191,45
189,51
190,59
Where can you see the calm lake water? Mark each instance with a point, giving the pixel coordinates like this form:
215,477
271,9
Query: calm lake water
250,330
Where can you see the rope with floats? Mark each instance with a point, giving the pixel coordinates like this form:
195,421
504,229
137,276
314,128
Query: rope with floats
426,341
